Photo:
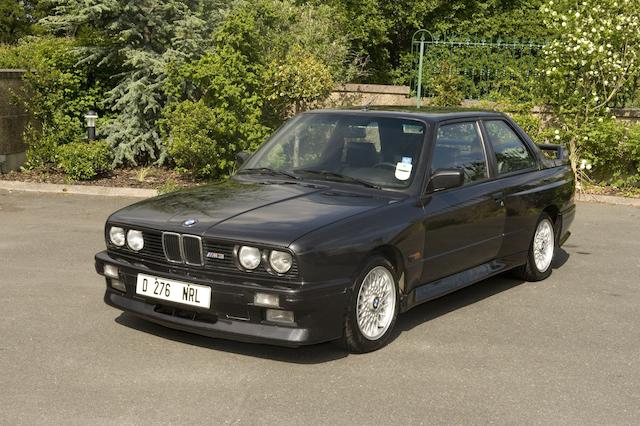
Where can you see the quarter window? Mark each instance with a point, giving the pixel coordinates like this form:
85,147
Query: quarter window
459,146
511,153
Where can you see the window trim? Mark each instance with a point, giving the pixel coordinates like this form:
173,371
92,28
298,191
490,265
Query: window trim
494,159
476,122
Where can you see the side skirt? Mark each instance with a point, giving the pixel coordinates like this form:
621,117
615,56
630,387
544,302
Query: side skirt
443,286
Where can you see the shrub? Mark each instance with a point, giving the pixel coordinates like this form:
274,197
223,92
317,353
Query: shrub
264,68
204,140
57,92
591,64
613,150
85,160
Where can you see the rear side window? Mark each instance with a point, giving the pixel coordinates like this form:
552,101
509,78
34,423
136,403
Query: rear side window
511,153
459,146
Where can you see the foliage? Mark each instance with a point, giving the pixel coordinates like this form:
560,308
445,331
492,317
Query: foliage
141,38
591,60
294,84
447,86
85,160
260,72
169,185
381,32
57,91
613,151
204,140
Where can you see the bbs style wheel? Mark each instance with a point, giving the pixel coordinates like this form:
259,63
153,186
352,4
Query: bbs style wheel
541,251
373,307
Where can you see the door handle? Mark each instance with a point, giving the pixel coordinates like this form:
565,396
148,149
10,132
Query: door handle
498,197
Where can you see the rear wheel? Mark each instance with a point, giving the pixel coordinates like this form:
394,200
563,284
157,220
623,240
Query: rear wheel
373,308
541,251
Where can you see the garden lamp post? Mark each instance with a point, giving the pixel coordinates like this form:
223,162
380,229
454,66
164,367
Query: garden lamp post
90,118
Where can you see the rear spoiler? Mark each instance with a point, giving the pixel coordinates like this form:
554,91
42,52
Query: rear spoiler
562,156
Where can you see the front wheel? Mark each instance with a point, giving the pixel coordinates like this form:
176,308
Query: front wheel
541,252
373,308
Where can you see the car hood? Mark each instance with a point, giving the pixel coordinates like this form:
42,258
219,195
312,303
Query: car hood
269,212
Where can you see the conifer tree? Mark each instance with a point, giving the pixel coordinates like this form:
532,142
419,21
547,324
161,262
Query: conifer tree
139,37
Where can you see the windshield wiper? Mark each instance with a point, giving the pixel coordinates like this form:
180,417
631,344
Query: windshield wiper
329,174
268,171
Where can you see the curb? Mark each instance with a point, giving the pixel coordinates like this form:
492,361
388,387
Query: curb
608,199
108,191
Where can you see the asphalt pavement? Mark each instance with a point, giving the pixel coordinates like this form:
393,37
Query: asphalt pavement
562,351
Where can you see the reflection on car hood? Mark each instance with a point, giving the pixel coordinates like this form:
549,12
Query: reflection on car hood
270,213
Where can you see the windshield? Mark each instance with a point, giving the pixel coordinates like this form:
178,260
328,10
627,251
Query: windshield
367,149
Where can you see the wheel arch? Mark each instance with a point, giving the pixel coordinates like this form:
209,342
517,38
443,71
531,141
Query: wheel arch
394,256
554,213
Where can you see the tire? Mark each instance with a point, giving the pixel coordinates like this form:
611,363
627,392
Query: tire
541,251
373,307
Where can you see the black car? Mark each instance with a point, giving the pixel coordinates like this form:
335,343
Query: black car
338,223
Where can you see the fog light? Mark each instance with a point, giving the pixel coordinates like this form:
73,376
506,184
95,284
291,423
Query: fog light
110,271
275,315
264,299
118,285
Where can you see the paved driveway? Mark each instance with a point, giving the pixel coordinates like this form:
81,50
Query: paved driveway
563,351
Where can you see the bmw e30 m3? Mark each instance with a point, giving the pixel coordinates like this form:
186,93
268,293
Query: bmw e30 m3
338,223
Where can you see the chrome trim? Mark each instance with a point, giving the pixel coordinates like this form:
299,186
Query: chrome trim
184,258
164,250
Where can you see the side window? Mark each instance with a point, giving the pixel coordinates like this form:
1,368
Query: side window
511,153
459,146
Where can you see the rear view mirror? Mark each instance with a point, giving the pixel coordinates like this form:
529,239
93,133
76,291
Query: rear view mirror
242,156
443,179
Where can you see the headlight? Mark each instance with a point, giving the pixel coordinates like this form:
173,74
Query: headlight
249,257
280,261
116,235
135,240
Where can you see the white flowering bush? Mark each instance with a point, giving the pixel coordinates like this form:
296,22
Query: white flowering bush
592,63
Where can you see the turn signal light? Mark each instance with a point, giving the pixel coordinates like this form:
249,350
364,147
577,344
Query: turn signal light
111,271
265,299
276,315
118,285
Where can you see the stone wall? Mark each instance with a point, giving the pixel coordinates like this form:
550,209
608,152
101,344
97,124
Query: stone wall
361,95
13,120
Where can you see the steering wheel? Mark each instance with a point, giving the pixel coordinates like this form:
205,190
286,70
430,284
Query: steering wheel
385,165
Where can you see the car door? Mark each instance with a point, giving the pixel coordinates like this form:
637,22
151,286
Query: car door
515,166
463,226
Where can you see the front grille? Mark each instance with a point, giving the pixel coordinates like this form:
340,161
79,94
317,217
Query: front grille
171,246
211,254
219,256
192,250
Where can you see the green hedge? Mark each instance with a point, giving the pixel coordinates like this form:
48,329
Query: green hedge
85,160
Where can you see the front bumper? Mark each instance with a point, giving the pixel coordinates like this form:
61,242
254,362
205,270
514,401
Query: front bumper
319,308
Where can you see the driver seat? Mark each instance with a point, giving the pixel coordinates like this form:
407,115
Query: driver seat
361,154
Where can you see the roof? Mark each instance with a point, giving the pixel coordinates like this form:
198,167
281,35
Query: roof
426,113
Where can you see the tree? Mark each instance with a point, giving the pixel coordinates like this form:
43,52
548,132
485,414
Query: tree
591,62
14,20
380,32
270,59
141,37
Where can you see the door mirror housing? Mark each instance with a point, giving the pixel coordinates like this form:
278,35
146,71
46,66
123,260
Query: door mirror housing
242,156
443,179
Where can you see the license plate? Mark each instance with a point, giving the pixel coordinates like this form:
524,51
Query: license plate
174,291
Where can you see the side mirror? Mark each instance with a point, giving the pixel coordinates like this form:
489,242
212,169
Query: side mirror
242,156
443,179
